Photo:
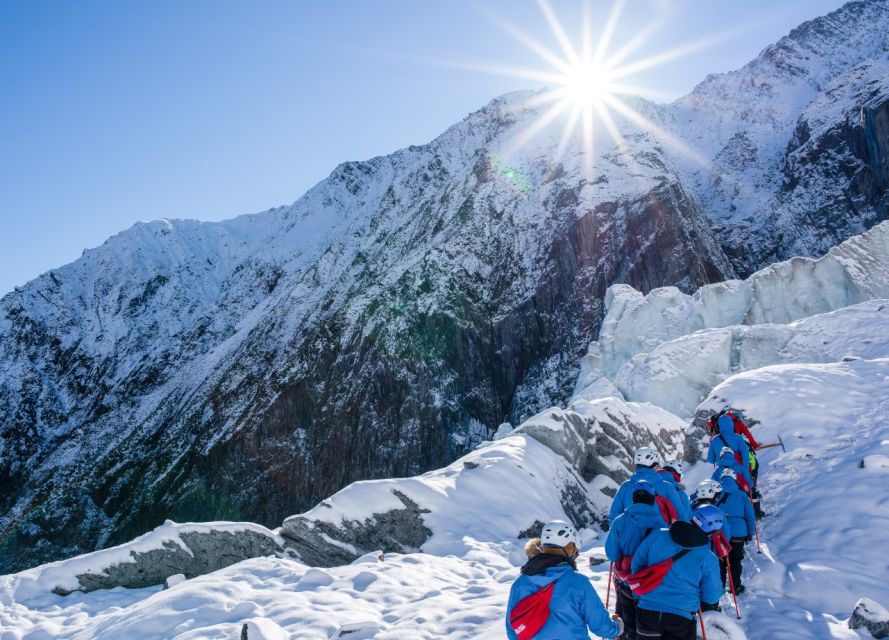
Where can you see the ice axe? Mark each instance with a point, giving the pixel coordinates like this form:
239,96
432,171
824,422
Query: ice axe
780,443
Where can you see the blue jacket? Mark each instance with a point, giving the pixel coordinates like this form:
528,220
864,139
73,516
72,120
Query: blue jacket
630,528
729,461
728,438
693,578
737,508
575,605
680,490
624,496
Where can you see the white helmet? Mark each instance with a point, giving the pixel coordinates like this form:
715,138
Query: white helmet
726,450
728,473
675,465
646,456
558,533
708,489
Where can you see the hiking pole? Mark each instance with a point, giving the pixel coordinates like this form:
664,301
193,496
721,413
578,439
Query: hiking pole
608,592
755,526
731,584
703,630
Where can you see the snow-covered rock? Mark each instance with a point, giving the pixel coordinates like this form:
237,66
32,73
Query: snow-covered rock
187,550
558,464
871,616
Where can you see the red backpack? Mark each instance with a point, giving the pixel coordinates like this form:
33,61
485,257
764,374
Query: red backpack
648,579
531,612
721,545
667,509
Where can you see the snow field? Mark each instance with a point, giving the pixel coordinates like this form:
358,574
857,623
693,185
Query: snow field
824,541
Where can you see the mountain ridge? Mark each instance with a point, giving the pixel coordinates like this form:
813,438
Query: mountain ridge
381,325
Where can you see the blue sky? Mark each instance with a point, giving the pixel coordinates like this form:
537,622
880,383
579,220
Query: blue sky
115,112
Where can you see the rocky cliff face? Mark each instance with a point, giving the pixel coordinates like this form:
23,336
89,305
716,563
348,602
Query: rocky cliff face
387,320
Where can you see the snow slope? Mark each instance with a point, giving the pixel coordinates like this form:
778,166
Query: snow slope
828,510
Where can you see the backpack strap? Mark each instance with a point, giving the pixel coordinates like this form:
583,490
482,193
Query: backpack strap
679,554
723,497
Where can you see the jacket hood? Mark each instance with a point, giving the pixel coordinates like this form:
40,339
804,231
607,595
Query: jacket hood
729,484
539,564
726,426
687,535
545,568
645,516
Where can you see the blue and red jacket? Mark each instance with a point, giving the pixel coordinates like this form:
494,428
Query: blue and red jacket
575,608
693,579
624,496
738,509
628,530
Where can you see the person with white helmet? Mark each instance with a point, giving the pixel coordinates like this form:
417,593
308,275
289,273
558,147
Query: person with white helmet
647,462
736,505
672,473
551,572
627,532
727,459
707,493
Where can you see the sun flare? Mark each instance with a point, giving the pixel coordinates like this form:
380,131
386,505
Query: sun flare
587,85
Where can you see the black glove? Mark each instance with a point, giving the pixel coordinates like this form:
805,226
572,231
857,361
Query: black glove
748,539
710,607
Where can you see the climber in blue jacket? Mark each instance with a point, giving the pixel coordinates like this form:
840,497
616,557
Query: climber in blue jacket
727,460
647,462
739,510
627,532
692,582
728,438
575,606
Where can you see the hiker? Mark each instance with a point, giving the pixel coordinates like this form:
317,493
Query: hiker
672,473
666,496
627,532
739,510
708,493
727,460
550,600
739,426
690,583
728,438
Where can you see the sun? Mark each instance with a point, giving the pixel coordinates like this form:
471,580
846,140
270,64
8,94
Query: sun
587,83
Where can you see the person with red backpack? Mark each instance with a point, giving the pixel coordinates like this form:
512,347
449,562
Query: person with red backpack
627,532
739,510
550,600
728,438
739,425
727,460
671,472
667,498
690,581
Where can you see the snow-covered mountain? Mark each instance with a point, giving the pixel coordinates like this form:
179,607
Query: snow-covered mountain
388,320
434,555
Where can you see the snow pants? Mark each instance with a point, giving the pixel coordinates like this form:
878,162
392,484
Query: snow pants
657,625
735,557
626,609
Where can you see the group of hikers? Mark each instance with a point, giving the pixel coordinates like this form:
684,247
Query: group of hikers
672,555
